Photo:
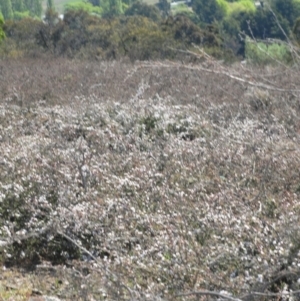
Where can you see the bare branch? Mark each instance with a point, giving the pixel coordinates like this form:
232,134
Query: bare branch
208,293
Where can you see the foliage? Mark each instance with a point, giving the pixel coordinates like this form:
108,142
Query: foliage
145,10
18,6
112,8
287,9
83,34
223,4
2,34
242,5
165,7
23,31
50,5
182,8
6,9
51,17
68,36
18,9
208,11
21,15
184,30
83,6
142,39
35,7
262,24
263,54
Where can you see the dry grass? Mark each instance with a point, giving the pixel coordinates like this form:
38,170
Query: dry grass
176,178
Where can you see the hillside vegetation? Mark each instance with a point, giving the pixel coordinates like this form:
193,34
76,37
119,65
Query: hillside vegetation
114,29
149,181
150,152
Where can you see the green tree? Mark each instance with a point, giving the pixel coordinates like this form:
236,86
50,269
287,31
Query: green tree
83,6
262,24
6,9
142,39
142,9
208,10
165,7
51,16
21,15
18,5
34,6
50,5
113,8
288,9
95,2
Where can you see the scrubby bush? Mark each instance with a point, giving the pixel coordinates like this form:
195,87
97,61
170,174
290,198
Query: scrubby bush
23,31
21,15
184,9
21,38
143,39
263,54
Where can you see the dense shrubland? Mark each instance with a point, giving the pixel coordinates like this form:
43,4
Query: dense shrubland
144,168
144,181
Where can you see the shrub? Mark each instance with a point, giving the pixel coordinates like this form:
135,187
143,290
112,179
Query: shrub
142,39
262,53
21,15
17,211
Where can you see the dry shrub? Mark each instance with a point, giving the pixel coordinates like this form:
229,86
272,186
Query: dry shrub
159,177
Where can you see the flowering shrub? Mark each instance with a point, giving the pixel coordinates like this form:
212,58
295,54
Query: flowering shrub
154,179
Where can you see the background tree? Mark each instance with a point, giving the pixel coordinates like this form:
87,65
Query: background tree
50,5
208,11
18,5
6,9
287,9
142,9
165,7
51,16
143,39
35,7
84,6
112,8
128,3
95,2
262,24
